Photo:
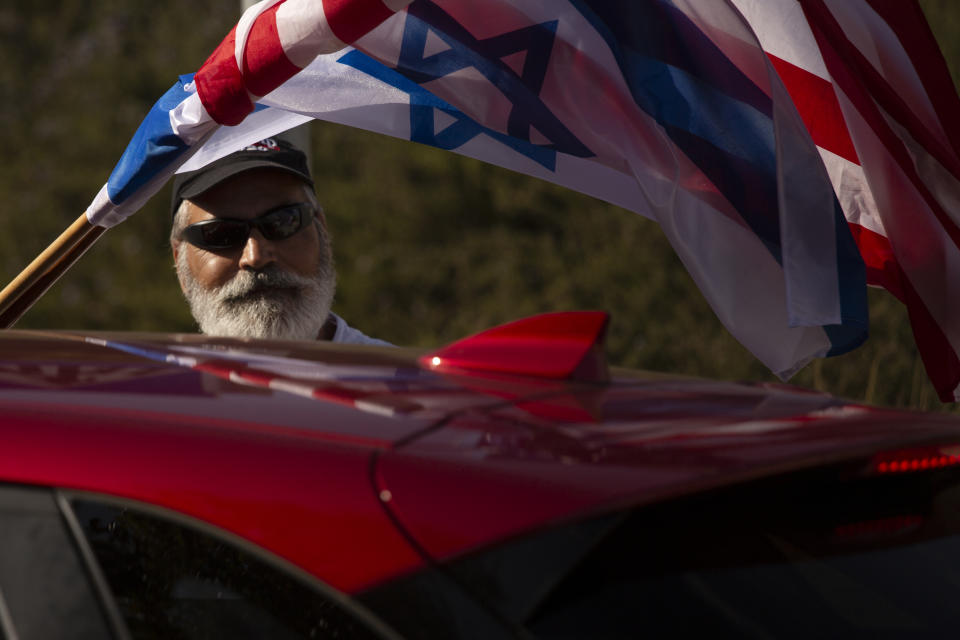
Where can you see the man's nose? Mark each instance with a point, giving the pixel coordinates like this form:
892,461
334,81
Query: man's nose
258,252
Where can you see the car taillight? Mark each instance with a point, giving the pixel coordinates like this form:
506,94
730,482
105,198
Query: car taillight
916,459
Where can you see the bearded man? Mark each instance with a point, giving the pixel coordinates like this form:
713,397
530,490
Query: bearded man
251,248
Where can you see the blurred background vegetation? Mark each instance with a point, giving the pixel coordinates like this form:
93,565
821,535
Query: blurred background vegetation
430,246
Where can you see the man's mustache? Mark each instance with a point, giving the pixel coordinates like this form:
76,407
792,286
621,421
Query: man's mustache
248,282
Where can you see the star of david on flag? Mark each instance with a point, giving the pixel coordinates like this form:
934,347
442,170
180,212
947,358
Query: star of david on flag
791,150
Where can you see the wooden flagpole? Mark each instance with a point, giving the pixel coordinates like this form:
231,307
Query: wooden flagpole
24,290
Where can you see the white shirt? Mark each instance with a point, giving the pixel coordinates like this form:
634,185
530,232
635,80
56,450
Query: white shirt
345,334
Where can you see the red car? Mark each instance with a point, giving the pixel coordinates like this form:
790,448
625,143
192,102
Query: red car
509,485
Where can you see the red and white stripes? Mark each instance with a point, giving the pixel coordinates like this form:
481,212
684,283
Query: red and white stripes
875,94
273,41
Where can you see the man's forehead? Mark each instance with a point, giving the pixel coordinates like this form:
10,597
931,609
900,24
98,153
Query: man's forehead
248,194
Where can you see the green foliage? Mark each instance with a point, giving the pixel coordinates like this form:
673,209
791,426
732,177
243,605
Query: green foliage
430,246
77,79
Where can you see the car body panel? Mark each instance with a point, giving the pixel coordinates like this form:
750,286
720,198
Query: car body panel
504,471
275,490
359,465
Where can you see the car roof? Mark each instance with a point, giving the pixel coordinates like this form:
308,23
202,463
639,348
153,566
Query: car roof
267,439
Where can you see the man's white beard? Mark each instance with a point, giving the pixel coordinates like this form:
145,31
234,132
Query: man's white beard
270,303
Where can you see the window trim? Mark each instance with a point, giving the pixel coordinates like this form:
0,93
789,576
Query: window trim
104,595
6,620
44,547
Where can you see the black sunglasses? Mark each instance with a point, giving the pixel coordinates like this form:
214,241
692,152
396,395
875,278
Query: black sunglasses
231,233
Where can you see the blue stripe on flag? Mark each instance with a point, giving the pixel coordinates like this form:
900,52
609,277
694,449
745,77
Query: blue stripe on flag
658,30
854,306
750,189
676,98
153,147
673,71
727,131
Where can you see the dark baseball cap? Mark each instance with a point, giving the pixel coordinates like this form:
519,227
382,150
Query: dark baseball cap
273,153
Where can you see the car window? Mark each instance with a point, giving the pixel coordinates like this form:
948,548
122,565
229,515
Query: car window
45,592
175,581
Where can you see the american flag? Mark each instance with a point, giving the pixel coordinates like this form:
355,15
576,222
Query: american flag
790,149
